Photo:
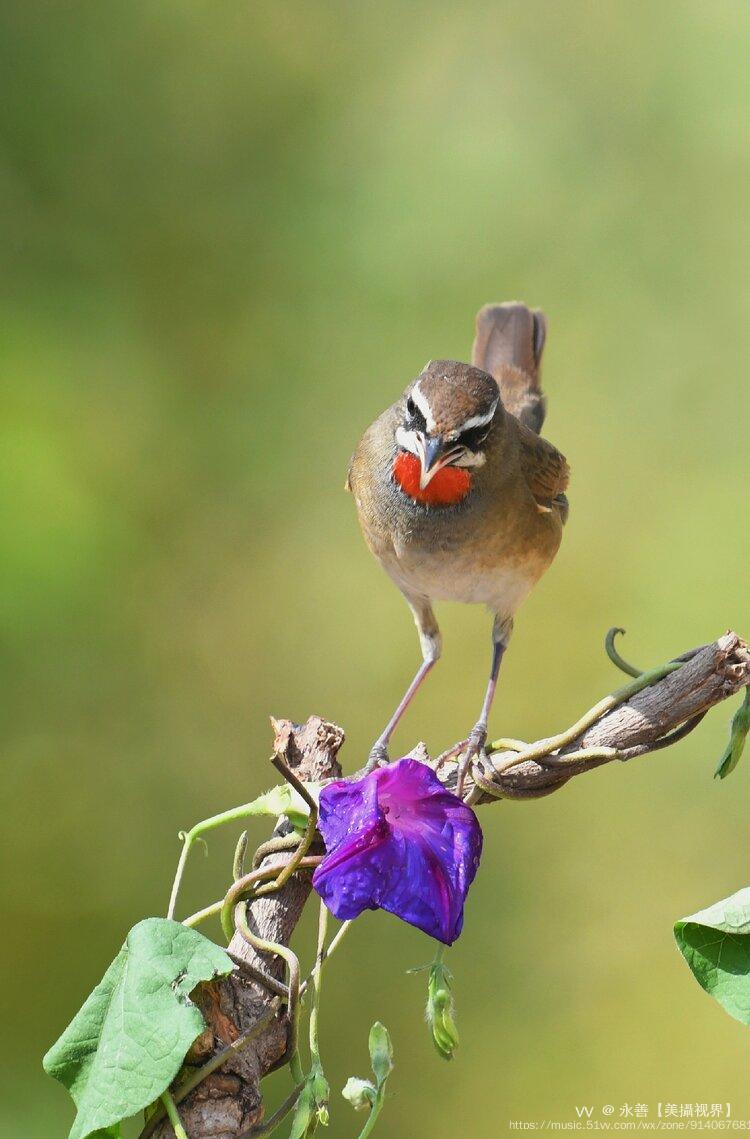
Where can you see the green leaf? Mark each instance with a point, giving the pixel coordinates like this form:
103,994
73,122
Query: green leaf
737,739
321,1092
127,1043
306,1113
381,1052
716,945
312,1105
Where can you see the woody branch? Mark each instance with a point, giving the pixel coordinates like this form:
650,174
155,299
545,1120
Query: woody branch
645,723
244,1013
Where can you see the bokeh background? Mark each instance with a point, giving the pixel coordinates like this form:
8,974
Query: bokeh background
230,234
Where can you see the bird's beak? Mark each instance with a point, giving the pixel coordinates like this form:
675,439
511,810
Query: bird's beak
432,456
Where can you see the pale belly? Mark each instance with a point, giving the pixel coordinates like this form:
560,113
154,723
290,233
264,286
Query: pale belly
456,576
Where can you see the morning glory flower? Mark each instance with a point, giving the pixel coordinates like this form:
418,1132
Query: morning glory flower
397,840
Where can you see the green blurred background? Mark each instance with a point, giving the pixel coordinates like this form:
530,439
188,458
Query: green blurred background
230,234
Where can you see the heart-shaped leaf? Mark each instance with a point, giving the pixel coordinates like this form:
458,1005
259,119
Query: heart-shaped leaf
127,1043
716,945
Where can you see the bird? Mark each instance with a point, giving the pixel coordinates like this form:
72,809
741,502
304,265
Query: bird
460,498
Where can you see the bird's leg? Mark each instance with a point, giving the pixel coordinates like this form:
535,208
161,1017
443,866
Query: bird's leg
430,641
379,750
477,737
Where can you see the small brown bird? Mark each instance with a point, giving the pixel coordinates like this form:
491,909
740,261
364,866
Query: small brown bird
459,497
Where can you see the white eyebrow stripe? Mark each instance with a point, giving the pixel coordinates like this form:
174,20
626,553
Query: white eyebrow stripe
478,420
421,401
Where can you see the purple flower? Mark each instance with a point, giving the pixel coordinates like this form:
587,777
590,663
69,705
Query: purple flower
397,840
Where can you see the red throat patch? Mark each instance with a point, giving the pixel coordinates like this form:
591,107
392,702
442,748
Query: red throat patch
447,487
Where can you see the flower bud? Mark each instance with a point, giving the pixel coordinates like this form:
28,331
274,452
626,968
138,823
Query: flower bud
360,1093
441,1011
381,1052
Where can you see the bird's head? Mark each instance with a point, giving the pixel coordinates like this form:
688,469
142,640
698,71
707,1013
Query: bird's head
445,419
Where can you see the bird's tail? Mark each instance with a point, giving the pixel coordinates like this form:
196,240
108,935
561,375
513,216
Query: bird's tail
508,344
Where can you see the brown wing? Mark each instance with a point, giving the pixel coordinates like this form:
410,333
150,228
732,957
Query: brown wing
546,471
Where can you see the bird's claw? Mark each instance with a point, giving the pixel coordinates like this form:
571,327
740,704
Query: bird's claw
473,744
450,753
473,747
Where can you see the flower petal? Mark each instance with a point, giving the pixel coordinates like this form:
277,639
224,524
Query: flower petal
398,841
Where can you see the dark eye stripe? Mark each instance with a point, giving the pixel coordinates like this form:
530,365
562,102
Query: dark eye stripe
474,437
415,420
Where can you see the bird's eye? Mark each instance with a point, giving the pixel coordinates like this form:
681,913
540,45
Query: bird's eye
414,416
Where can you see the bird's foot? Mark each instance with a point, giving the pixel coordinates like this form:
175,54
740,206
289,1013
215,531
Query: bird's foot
378,756
450,753
474,747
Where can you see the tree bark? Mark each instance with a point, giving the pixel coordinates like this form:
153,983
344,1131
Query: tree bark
229,1101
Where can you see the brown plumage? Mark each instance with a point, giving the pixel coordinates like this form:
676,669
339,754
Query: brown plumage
508,344
458,496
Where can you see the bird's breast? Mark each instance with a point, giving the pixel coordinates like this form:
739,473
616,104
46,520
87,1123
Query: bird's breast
488,547
449,486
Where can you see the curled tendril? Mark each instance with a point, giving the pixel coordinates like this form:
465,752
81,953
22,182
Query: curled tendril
614,656
187,839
